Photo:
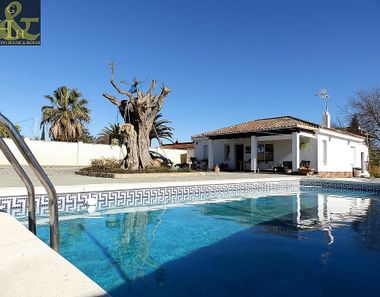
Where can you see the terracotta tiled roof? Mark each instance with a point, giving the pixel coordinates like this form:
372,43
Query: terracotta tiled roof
179,145
262,125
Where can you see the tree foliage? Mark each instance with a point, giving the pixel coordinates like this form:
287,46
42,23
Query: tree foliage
363,111
161,129
4,133
110,134
354,126
87,137
66,115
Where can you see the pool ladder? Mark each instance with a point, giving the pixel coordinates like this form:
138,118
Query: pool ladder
41,175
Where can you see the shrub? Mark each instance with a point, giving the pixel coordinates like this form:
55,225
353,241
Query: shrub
108,165
111,165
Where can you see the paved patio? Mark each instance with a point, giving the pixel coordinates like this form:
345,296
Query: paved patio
65,176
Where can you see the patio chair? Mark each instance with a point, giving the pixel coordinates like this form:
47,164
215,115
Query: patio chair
288,165
305,168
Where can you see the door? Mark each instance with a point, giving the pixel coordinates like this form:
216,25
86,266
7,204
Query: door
239,157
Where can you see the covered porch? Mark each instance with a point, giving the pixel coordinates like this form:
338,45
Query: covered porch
273,153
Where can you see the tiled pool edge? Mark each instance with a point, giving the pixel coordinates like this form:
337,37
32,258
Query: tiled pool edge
344,185
156,194
160,194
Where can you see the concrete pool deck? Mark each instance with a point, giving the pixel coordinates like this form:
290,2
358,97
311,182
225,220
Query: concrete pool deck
65,176
30,268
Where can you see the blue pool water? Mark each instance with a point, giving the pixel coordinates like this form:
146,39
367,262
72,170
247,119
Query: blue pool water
305,244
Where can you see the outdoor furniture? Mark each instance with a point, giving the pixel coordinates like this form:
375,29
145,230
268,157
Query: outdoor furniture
288,166
242,165
305,168
279,168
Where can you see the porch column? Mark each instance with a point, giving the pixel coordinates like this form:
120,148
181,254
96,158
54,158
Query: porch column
210,154
295,151
254,153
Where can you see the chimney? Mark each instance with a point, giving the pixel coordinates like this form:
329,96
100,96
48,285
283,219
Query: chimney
326,120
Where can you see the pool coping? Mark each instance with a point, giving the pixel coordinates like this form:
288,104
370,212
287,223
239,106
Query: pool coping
31,268
16,191
99,197
347,184
342,184
95,197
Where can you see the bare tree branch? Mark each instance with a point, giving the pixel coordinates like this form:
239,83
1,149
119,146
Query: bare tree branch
366,105
117,88
112,99
139,112
159,100
151,88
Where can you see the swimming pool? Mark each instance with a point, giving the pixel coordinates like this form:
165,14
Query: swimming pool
310,243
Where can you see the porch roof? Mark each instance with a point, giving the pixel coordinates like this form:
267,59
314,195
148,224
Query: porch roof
269,126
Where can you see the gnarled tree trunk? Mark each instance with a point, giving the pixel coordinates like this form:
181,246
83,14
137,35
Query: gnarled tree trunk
138,112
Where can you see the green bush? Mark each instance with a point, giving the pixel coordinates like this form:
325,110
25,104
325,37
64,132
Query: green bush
111,165
107,165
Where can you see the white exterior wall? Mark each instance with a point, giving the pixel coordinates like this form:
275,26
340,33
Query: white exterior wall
190,154
340,152
282,150
218,150
309,153
54,153
199,147
173,154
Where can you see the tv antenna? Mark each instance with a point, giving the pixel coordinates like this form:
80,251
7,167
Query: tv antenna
323,94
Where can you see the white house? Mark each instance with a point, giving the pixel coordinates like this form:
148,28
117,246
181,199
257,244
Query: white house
279,143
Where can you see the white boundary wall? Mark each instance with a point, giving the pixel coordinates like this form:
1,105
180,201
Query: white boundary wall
173,154
55,153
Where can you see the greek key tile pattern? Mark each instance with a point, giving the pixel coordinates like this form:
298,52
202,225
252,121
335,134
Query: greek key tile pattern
342,186
142,197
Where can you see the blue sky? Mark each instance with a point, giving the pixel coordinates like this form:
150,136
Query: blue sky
225,61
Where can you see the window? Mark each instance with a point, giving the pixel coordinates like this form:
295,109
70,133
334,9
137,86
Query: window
227,150
353,149
247,149
324,151
265,152
205,151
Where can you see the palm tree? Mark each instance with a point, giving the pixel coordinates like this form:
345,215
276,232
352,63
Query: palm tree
161,129
65,115
112,131
87,137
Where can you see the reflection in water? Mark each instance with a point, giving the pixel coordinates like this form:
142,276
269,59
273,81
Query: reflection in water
322,212
302,237
135,239
289,215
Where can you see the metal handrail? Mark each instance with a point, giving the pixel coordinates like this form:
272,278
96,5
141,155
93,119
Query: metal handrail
42,177
27,182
